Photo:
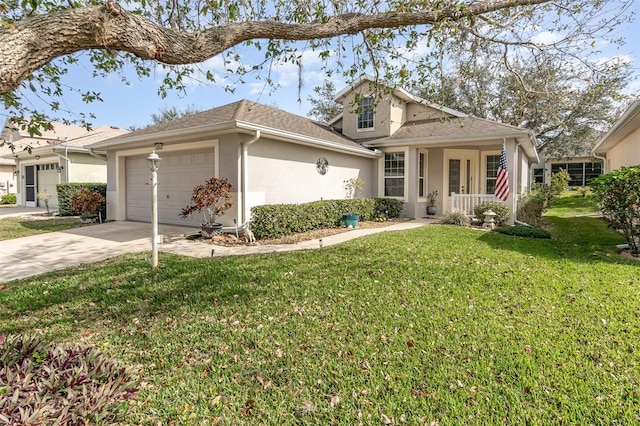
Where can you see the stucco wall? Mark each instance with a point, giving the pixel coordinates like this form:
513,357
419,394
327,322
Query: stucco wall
281,172
87,168
625,153
7,180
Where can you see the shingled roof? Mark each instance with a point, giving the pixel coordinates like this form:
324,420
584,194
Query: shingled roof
245,112
451,129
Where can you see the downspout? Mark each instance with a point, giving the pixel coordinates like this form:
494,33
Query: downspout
245,174
604,162
68,160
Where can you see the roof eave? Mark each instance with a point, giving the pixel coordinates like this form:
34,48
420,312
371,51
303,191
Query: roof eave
177,135
629,121
526,139
309,141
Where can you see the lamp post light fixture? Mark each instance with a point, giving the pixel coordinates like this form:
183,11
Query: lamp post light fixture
154,162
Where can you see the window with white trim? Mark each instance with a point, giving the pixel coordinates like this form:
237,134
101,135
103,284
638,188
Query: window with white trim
492,173
422,166
365,114
394,174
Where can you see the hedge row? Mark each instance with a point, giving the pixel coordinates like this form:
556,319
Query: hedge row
66,191
278,220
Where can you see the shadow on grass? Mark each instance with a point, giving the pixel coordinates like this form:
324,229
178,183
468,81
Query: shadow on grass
124,288
580,239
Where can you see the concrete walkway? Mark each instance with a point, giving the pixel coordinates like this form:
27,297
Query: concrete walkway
24,257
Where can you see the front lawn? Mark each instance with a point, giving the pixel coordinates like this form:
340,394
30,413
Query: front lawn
17,227
437,325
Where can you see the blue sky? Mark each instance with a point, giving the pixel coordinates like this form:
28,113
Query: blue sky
132,105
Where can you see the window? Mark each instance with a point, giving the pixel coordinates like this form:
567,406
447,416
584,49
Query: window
538,176
394,174
492,173
580,173
365,114
421,172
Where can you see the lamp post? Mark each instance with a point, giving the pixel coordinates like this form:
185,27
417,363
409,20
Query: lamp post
154,162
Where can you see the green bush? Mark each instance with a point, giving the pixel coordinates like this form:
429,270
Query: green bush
559,182
524,231
67,190
47,385
532,205
618,194
278,220
9,199
456,217
502,211
537,201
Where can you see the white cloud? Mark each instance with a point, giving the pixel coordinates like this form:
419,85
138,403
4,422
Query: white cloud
546,38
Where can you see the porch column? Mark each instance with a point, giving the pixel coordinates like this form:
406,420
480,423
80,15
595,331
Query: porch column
511,149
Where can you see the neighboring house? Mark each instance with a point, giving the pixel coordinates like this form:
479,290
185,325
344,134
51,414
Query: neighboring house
399,145
620,146
7,175
57,156
581,168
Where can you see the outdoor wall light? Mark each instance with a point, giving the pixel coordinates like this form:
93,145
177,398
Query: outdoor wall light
59,168
37,157
16,173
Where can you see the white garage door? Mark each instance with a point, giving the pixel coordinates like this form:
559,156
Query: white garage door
179,172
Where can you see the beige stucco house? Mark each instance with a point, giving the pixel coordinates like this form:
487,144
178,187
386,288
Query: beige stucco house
59,155
620,146
398,144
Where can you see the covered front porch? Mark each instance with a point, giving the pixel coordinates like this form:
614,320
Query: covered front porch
463,173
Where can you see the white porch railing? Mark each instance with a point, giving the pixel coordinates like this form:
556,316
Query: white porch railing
467,202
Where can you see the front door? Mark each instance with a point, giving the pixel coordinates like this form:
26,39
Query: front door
460,167
30,186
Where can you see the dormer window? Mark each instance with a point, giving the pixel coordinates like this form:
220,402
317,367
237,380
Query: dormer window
365,114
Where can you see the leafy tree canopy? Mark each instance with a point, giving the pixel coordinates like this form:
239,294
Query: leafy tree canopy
395,40
568,103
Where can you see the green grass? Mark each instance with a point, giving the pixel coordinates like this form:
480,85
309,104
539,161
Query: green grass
437,324
572,203
17,227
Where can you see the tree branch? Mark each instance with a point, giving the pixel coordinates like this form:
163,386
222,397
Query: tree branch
37,40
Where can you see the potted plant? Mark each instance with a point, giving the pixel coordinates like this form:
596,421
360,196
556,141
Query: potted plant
431,199
352,189
212,198
87,204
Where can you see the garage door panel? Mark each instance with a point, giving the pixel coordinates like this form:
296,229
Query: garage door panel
179,172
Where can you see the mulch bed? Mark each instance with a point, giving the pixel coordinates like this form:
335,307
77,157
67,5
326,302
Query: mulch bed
230,239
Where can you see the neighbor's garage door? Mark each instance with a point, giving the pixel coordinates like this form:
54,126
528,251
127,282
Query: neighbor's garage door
179,172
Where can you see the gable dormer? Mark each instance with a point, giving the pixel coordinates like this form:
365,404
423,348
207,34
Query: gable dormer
371,113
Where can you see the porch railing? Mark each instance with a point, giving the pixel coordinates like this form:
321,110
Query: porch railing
467,202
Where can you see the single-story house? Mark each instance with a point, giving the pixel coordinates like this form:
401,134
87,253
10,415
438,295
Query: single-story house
620,146
400,145
59,155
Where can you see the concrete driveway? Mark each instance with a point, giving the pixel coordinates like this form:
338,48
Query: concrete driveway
24,257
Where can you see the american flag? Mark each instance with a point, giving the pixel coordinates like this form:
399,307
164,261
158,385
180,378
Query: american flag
502,181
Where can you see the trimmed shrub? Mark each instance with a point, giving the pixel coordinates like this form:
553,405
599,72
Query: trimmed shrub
66,191
523,231
9,199
618,194
502,211
456,217
59,385
87,203
278,220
